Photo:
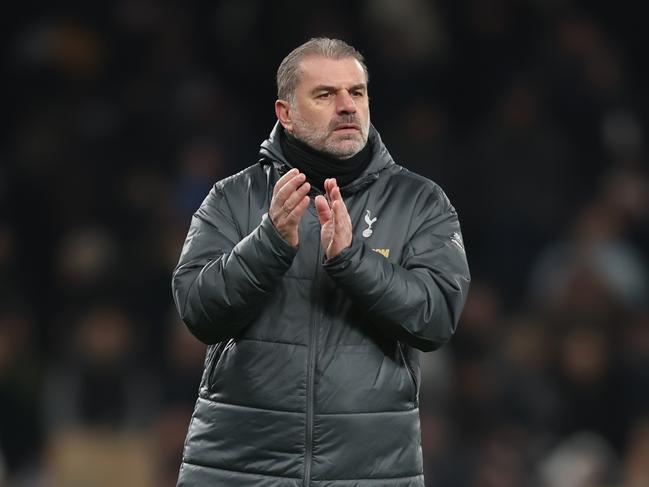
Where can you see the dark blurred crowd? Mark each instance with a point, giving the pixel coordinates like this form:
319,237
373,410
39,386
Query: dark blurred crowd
532,115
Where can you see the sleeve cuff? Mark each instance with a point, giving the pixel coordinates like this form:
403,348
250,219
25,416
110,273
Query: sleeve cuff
344,258
278,245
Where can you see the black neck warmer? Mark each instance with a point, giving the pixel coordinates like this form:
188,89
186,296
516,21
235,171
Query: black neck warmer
318,166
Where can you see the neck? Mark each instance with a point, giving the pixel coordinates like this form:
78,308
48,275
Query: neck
318,165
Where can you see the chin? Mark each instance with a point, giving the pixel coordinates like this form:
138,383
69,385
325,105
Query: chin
345,152
344,149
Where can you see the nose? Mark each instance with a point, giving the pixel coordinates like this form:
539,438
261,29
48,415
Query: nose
345,103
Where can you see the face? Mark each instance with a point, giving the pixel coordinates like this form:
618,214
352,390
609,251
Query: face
330,111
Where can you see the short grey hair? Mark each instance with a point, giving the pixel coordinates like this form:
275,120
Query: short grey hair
288,72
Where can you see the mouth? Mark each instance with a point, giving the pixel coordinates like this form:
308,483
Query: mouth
347,127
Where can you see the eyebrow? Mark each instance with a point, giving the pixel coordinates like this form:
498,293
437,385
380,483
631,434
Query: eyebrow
360,86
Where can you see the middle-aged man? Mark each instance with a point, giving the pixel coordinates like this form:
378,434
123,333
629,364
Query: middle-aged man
317,276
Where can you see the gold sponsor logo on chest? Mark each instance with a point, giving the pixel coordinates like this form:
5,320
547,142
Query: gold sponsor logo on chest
384,252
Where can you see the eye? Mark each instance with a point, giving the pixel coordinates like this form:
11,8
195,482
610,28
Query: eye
324,95
358,93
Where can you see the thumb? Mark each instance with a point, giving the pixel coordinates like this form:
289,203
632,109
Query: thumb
324,212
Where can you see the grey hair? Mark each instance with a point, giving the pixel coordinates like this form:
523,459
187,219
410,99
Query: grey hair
288,72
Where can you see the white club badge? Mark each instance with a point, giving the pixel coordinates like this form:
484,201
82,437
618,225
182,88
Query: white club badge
370,221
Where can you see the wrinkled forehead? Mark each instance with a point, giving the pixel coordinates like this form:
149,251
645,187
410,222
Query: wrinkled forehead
318,70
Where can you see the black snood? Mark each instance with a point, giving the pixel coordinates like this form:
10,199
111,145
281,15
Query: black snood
318,166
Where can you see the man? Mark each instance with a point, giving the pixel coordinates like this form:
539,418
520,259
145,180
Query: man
316,277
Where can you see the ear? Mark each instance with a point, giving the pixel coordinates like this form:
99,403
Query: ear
283,112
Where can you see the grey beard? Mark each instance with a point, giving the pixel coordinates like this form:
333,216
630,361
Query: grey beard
320,142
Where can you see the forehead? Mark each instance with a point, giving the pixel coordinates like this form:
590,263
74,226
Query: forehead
318,70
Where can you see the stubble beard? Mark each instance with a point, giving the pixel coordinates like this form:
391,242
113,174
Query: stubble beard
325,140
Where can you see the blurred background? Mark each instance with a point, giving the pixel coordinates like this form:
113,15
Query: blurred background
531,114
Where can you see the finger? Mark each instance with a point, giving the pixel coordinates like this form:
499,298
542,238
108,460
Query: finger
329,184
284,179
322,207
300,208
335,192
296,197
289,188
341,215
339,227
330,189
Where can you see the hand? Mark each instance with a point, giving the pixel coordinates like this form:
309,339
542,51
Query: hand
336,226
288,204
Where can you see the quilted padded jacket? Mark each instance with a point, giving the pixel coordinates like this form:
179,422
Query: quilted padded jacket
312,371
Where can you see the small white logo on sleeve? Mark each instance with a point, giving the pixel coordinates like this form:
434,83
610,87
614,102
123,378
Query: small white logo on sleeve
456,238
370,221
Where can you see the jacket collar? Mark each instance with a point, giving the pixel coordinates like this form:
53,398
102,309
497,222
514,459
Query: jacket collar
270,152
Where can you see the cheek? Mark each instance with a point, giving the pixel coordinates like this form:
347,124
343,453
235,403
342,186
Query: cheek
365,108
366,116
316,116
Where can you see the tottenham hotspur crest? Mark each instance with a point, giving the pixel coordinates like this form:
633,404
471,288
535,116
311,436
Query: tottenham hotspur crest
370,221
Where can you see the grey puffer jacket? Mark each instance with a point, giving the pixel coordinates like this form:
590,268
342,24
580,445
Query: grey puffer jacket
312,372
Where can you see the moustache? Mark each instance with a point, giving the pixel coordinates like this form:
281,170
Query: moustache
345,120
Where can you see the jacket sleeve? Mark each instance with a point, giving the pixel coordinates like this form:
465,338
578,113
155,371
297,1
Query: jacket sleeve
418,301
222,279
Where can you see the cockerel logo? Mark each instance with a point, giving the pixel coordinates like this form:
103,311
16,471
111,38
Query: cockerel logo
370,221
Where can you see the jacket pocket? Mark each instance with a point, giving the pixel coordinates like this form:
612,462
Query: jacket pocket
214,357
411,372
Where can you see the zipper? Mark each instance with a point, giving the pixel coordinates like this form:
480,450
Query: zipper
310,384
410,371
